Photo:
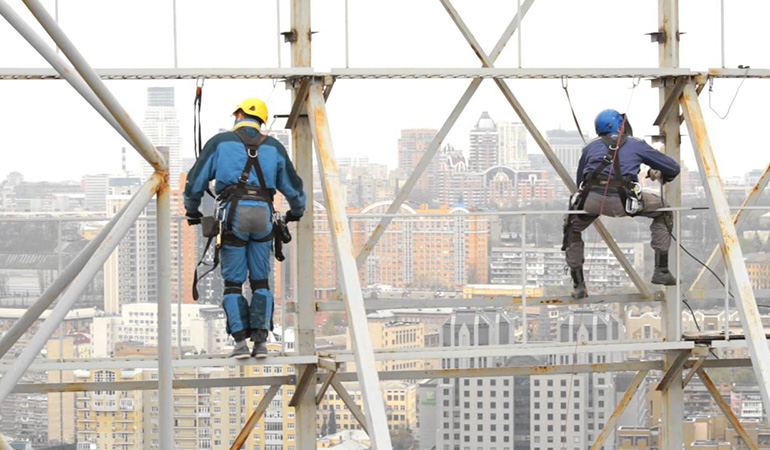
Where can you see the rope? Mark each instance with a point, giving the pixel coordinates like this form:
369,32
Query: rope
564,85
711,89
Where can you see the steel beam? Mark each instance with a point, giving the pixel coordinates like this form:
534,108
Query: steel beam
319,397
671,102
347,270
53,291
254,418
674,371
308,377
303,254
546,148
76,288
693,370
60,65
351,404
428,73
609,427
165,349
299,103
728,236
739,219
482,302
726,409
144,146
152,385
435,144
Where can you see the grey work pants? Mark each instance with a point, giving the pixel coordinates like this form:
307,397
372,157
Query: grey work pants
613,207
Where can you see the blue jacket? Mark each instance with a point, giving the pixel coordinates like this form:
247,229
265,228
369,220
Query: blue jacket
632,154
223,159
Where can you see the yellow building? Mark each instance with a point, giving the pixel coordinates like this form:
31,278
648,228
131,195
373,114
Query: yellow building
400,406
110,420
387,333
500,290
758,266
61,405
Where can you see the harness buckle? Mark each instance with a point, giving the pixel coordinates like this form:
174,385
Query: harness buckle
255,152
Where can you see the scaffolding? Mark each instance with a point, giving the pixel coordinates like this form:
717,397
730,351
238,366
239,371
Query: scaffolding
315,373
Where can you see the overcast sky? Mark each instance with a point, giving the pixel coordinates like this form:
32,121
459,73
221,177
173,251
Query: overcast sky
48,132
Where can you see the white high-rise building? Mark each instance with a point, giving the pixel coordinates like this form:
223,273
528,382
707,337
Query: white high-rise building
96,189
513,145
569,411
161,125
568,147
485,147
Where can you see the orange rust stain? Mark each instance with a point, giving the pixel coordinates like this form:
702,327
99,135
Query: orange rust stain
553,301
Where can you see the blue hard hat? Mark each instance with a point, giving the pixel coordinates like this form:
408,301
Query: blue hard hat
608,121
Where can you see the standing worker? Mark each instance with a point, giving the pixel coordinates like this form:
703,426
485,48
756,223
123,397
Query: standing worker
608,184
248,167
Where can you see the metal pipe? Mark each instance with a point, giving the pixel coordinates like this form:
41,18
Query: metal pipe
347,271
524,279
165,348
62,281
728,236
64,69
144,146
76,288
722,29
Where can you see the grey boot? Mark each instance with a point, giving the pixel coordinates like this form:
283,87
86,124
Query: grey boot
578,283
241,350
259,337
661,275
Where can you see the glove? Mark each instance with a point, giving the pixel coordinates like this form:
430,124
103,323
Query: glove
193,217
653,174
289,217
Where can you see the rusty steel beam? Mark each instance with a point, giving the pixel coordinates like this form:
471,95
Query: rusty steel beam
726,409
254,418
324,386
609,427
674,370
307,378
347,270
739,219
488,62
693,370
351,404
729,243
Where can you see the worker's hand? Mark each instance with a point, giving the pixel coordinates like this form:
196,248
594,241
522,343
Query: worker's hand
193,217
289,217
653,174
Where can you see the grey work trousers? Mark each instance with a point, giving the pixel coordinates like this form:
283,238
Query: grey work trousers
613,207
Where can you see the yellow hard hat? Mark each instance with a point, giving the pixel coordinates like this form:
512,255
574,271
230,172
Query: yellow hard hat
253,107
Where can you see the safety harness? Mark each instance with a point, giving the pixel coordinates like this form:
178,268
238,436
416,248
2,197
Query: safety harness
228,199
628,190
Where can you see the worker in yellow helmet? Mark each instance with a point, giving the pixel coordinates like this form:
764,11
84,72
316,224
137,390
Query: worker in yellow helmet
248,167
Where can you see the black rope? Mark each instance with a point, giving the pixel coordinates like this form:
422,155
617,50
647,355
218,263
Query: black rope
564,85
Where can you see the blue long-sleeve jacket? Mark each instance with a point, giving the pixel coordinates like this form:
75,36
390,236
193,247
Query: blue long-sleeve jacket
632,154
223,159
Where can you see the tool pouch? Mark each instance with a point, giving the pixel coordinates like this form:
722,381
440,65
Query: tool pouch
209,226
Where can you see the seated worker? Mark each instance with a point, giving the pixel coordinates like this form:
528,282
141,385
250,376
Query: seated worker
607,179
248,167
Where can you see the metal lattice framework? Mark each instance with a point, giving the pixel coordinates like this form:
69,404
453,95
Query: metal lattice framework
309,123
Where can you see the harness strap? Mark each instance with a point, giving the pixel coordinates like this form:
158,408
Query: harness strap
213,265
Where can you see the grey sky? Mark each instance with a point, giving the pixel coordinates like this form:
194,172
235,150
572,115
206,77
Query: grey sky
366,116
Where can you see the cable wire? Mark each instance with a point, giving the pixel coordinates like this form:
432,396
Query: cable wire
711,89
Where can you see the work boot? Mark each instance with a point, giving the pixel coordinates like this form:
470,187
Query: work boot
241,350
578,283
661,274
259,337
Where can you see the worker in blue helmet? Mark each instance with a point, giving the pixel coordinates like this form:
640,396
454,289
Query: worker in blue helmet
248,166
608,184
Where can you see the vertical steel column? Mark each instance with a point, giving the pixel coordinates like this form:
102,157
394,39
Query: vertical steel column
303,259
165,348
668,57
728,238
76,288
347,271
